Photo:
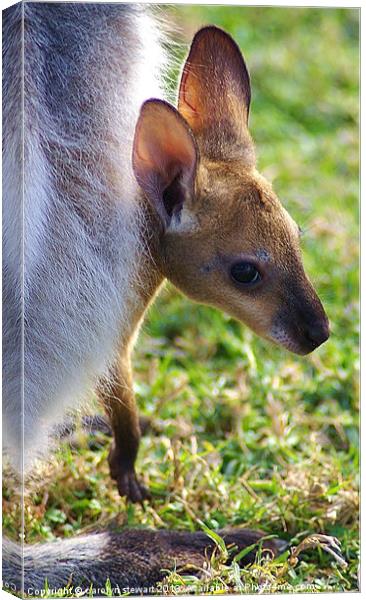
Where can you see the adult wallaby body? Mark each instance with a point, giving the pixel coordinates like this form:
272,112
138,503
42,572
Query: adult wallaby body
121,192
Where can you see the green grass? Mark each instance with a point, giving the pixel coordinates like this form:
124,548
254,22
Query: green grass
249,434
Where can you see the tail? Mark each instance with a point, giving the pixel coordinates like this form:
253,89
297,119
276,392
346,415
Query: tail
131,561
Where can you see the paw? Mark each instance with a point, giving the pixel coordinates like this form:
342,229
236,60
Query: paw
130,487
127,482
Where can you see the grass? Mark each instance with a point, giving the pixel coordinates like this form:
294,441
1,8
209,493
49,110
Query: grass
249,434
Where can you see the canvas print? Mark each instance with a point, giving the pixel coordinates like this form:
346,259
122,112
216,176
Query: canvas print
180,299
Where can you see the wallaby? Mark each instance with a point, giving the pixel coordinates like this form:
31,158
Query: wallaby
133,560
122,191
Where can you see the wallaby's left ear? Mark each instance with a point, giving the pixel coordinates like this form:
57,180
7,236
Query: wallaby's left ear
214,94
164,158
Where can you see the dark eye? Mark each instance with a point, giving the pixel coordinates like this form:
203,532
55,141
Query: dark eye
245,272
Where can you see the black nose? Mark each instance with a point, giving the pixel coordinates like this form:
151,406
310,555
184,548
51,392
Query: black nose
318,332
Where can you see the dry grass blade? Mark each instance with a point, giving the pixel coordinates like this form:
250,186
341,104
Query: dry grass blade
326,542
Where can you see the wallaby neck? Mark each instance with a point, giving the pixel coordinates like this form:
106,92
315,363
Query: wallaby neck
153,237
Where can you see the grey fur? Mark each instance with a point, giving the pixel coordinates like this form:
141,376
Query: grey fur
132,560
87,70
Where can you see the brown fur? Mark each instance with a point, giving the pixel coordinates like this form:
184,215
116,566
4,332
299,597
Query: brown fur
207,208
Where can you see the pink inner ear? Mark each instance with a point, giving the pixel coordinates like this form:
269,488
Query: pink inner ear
215,85
186,92
164,145
189,102
163,148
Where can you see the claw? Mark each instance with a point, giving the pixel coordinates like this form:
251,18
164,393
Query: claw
129,486
124,473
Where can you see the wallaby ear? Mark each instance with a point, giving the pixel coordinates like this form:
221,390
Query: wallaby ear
164,158
214,94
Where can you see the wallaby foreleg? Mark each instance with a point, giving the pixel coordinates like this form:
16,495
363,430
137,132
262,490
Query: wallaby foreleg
119,401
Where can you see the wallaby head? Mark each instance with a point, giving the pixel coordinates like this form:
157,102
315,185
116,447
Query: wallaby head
225,239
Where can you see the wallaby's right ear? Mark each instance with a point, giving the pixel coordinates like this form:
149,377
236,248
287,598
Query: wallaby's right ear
164,158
